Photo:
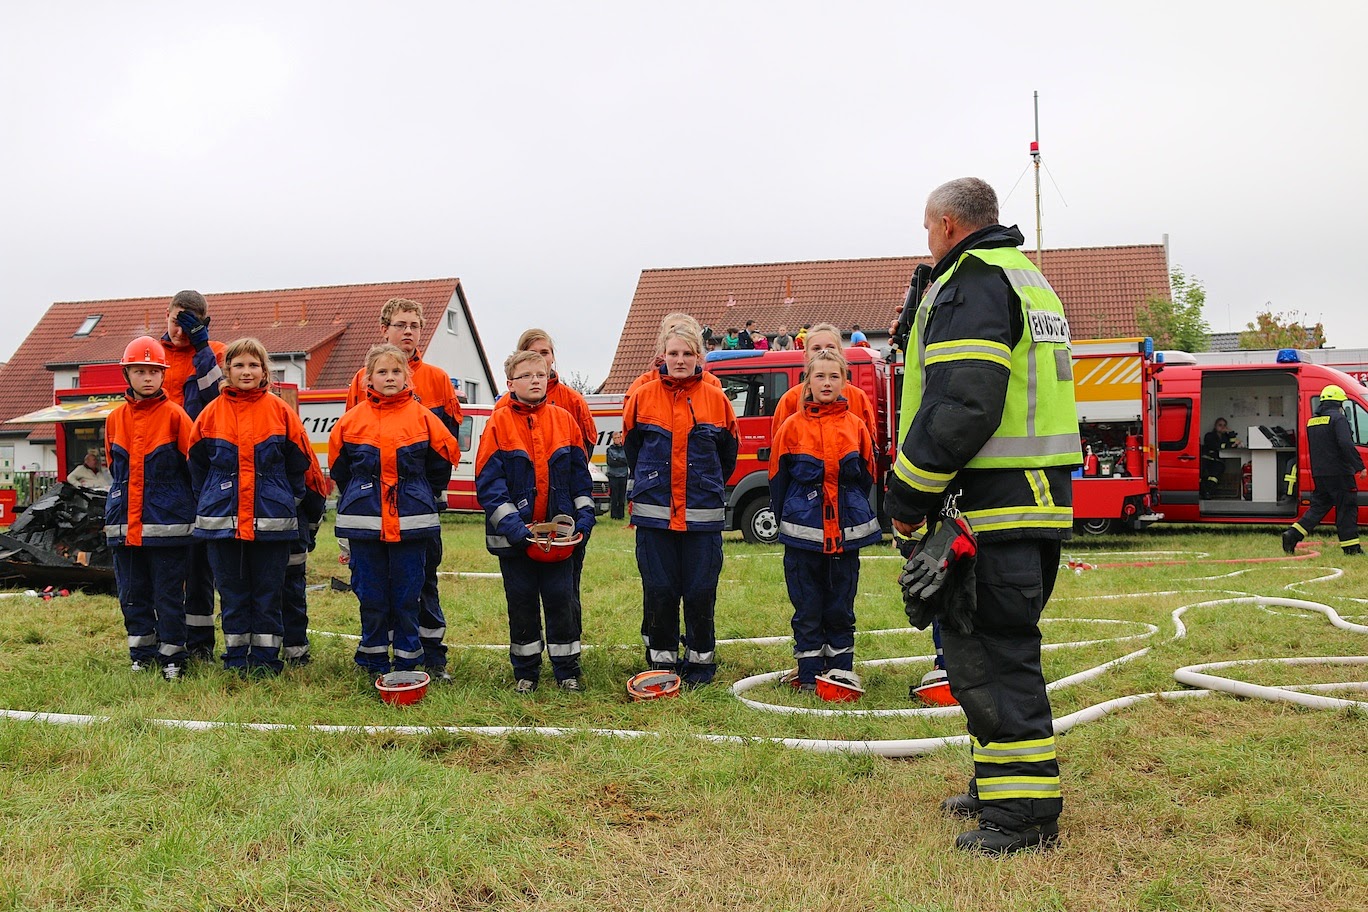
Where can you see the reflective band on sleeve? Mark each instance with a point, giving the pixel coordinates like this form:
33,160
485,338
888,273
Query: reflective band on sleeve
211,379
584,503
496,541
969,350
1026,278
921,479
526,649
500,512
558,650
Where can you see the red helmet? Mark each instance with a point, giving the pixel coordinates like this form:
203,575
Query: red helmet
553,541
145,351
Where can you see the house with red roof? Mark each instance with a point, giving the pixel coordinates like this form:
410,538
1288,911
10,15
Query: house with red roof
1101,287
317,339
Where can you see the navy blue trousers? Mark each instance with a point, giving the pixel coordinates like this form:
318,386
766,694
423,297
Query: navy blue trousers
387,578
151,584
1333,494
250,576
533,589
680,567
431,620
822,589
199,603
294,607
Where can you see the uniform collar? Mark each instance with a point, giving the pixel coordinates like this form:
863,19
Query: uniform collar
526,408
155,399
985,238
822,410
233,393
381,401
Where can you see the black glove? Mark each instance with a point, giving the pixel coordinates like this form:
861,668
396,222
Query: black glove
196,329
939,580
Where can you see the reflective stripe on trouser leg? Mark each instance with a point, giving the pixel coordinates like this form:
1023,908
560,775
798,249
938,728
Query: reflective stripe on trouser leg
996,676
431,618
1346,517
522,591
250,576
134,584
701,565
804,572
557,585
294,609
199,600
657,554
168,568
387,578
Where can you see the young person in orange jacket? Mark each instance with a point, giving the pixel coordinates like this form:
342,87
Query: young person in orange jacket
825,337
401,324
531,467
150,510
820,477
256,473
669,322
681,440
193,374
382,453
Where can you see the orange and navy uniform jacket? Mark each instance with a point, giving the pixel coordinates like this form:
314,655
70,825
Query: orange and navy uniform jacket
192,377
681,444
254,469
150,500
531,466
383,454
432,387
559,394
860,407
820,480
654,374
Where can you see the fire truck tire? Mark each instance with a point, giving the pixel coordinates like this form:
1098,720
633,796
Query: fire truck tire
758,525
1095,526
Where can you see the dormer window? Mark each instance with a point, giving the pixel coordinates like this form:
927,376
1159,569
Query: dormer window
88,326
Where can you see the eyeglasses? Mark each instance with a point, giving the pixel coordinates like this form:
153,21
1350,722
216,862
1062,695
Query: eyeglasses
403,326
536,376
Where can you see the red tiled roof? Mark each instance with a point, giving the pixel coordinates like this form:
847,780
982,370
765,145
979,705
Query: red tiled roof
1101,287
302,320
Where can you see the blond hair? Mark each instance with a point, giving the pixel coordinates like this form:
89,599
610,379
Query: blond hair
396,305
247,346
512,362
833,355
670,321
385,350
824,328
689,334
532,335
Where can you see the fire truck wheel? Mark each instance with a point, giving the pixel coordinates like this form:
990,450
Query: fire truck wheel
757,522
1095,526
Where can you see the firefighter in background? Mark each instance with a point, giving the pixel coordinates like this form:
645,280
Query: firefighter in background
401,325
988,414
1335,462
193,374
681,439
1219,438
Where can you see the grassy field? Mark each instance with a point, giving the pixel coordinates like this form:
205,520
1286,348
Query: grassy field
1194,804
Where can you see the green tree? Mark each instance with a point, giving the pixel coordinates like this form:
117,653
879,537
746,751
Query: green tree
1176,322
1281,330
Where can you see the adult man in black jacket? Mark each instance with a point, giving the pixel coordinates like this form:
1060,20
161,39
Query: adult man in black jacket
1334,463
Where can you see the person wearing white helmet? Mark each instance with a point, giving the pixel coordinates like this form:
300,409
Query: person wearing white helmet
1335,462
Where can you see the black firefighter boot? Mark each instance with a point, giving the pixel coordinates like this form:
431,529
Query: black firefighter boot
1290,539
1353,549
993,839
965,805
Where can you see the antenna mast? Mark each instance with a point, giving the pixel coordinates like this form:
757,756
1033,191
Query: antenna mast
1035,157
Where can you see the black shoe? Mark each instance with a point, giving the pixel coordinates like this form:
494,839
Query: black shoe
1289,541
202,655
524,686
965,806
438,675
571,684
1353,549
991,839
807,687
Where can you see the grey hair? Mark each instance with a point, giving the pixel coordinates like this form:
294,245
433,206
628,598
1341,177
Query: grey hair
969,200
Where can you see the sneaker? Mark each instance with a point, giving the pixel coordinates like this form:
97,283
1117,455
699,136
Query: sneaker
992,839
1289,541
965,806
139,667
171,672
524,686
570,684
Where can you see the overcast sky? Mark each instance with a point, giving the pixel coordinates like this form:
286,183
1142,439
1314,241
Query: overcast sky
546,153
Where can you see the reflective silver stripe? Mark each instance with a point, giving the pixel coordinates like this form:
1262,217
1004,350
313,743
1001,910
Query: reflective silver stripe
863,529
699,658
170,649
496,541
807,654
166,530
500,512
215,523
408,653
584,503
557,650
650,511
1048,788
663,657
829,650
277,524
116,531
1031,750
237,639
419,521
1025,278
1048,445
297,559
803,533
431,633
148,640
979,351
698,515
372,650
267,639
359,523
199,620
296,652
210,379
526,649
983,520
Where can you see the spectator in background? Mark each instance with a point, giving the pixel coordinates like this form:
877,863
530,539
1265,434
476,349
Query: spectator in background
800,339
731,341
746,341
618,473
759,341
783,341
857,336
91,473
